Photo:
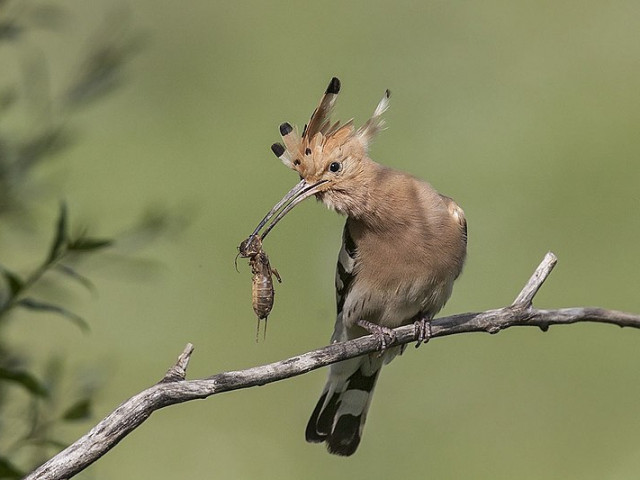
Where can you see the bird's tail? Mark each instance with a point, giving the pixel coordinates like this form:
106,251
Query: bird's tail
339,416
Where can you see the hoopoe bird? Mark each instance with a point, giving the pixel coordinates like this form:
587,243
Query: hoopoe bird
403,246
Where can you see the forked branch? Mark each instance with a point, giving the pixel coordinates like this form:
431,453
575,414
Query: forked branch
173,388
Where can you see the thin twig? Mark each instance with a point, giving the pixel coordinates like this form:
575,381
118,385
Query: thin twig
173,388
179,370
525,297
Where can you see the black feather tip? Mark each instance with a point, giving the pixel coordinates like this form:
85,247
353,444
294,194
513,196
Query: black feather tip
334,86
345,438
285,129
278,149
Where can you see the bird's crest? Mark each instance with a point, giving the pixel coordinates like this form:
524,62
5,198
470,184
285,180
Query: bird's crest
309,152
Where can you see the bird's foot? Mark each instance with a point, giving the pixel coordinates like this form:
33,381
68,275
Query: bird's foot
384,335
422,330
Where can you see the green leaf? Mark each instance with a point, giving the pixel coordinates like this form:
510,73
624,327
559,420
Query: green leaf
38,305
80,410
8,470
61,236
89,244
13,280
67,270
25,379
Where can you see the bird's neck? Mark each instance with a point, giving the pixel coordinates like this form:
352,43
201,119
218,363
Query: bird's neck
384,198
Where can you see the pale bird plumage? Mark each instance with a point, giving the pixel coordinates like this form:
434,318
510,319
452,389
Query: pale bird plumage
403,246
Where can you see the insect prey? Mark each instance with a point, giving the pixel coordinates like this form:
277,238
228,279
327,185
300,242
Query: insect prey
262,293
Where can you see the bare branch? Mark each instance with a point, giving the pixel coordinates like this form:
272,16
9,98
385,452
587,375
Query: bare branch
525,297
173,388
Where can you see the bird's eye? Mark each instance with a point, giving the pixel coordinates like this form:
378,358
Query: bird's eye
335,167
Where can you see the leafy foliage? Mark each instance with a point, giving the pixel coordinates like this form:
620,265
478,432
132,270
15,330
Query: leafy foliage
17,293
30,95
8,470
62,248
24,379
48,405
99,72
80,410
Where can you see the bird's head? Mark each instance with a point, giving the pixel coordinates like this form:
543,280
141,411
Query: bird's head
330,158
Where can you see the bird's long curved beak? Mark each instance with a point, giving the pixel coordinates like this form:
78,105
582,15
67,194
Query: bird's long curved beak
296,195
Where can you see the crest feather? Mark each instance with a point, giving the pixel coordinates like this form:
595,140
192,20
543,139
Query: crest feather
290,138
301,152
375,124
281,152
320,118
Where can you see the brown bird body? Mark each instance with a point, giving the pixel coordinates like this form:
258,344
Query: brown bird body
403,246
401,265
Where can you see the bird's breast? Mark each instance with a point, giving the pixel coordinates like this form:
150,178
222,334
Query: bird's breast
395,278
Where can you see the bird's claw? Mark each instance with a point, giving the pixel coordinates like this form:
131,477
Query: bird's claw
385,336
422,330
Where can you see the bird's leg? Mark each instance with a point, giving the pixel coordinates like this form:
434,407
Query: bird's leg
423,329
384,335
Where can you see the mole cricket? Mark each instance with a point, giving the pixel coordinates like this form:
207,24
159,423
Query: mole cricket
262,292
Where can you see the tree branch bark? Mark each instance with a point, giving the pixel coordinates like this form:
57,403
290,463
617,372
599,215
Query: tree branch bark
173,388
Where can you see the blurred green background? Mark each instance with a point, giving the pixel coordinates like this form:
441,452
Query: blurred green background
527,113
